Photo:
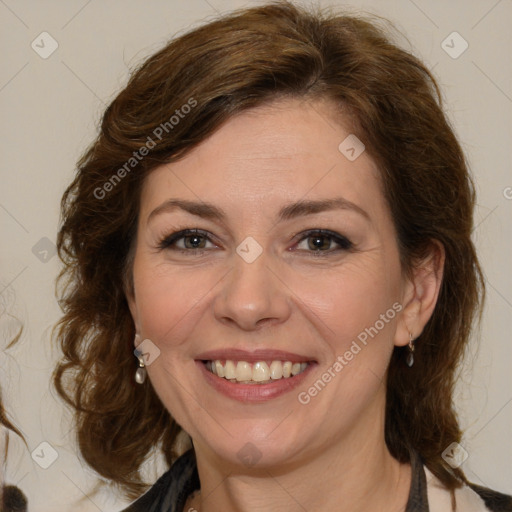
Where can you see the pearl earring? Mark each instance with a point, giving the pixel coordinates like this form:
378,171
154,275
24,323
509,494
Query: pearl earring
410,356
140,374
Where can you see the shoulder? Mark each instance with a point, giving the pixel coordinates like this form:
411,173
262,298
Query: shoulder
171,490
468,498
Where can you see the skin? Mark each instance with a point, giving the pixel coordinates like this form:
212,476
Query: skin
329,454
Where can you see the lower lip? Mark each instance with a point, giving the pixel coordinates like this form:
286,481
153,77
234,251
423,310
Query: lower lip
254,392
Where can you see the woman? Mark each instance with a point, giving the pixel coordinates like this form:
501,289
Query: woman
276,216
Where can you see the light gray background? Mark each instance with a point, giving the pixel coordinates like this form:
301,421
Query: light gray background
50,108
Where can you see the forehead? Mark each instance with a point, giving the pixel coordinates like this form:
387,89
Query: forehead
286,151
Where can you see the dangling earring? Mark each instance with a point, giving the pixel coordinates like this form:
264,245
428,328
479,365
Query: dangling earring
140,374
410,356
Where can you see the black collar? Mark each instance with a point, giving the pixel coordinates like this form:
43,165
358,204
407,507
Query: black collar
170,492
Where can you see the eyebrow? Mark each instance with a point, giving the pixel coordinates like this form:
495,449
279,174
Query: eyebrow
301,208
199,208
288,212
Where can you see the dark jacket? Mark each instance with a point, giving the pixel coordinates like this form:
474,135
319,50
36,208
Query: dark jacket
170,492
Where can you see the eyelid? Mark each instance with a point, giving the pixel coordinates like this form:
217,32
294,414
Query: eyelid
169,240
344,244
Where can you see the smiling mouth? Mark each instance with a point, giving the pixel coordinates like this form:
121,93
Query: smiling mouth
259,372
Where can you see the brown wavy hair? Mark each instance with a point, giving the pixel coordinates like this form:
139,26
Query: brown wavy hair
240,61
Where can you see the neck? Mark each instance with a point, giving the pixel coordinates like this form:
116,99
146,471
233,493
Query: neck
354,474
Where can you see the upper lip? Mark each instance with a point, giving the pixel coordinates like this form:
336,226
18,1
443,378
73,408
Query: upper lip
252,356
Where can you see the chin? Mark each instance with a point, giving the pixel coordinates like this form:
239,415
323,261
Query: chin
257,445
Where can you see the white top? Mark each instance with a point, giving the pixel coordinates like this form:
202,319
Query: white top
440,499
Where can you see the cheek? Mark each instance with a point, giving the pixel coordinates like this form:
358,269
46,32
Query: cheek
356,311
168,302
169,309
352,300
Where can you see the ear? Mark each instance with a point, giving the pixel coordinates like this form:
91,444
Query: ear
420,293
132,306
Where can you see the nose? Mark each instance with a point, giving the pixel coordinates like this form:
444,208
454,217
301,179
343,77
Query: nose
252,296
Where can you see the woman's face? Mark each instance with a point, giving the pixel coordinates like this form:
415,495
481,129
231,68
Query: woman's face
292,258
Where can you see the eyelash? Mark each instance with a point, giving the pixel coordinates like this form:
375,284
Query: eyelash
344,244
168,241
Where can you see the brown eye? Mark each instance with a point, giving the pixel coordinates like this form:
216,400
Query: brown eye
194,241
319,243
323,241
187,240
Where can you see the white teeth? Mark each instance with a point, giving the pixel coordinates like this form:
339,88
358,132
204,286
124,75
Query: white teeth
229,370
260,371
276,370
219,369
243,371
295,368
